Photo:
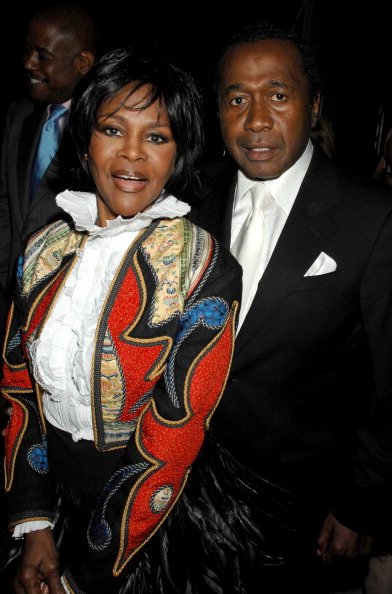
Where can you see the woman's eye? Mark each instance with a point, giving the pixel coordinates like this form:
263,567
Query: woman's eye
279,97
157,138
110,131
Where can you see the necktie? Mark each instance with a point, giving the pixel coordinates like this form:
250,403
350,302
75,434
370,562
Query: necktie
248,245
47,146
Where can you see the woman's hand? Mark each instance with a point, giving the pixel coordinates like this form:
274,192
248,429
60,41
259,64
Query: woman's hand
38,571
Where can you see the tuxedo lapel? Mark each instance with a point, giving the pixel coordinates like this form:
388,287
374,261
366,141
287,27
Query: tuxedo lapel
57,177
29,137
227,212
216,203
211,214
304,236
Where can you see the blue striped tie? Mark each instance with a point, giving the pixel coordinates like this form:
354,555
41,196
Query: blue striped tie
47,146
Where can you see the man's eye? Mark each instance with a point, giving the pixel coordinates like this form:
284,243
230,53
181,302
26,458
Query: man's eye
43,58
237,101
279,97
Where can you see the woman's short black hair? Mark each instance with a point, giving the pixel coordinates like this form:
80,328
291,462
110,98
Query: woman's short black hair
168,82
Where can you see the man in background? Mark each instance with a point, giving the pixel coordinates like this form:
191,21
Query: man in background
60,47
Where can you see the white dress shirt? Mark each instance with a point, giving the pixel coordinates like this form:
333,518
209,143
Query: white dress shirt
284,190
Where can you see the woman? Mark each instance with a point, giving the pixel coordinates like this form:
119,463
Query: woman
120,337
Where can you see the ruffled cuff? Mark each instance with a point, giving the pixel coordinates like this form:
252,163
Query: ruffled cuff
21,529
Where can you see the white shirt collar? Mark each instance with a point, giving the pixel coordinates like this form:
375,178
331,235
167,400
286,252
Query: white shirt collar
82,206
284,189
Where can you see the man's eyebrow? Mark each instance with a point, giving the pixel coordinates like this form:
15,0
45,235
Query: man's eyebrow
43,50
271,83
233,87
279,83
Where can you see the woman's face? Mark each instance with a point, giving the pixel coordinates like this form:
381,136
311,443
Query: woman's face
131,155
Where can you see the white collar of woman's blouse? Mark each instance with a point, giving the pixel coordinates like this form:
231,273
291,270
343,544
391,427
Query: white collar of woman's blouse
82,207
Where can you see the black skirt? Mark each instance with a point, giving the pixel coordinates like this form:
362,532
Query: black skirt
231,532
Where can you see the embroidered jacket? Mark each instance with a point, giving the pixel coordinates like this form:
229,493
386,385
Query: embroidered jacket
168,327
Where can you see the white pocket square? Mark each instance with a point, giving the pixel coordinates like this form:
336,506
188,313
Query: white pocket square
322,265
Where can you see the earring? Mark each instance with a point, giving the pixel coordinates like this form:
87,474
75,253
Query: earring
85,157
224,152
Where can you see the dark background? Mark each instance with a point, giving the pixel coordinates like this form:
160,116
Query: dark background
354,46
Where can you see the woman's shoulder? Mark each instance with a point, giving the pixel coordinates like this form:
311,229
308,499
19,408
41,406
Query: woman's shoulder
187,233
221,251
51,243
182,240
177,236
208,250
50,232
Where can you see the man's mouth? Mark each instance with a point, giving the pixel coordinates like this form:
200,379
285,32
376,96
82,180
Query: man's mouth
36,81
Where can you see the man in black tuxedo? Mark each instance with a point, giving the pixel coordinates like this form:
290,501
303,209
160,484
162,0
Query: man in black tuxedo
61,46
307,411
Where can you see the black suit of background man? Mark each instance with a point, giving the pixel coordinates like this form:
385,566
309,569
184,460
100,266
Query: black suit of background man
61,46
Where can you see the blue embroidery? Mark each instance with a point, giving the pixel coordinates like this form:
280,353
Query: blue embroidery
14,342
99,534
19,268
37,457
211,312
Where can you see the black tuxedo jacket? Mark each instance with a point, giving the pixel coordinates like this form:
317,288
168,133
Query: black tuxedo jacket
20,217
308,404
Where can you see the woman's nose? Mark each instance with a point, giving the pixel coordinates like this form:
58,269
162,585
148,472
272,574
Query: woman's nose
132,149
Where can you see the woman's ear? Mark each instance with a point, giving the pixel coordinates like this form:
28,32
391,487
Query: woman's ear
84,61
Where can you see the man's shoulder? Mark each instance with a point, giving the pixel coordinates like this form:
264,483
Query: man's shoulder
19,111
22,107
336,177
360,188
216,175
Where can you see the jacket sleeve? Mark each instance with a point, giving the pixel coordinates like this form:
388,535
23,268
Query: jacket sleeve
366,501
25,443
169,434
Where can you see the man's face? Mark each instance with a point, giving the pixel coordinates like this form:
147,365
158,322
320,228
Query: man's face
264,107
50,60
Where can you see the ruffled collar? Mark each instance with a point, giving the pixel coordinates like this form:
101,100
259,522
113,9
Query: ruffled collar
82,206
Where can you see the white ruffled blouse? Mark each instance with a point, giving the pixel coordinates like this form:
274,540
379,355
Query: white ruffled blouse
62,355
